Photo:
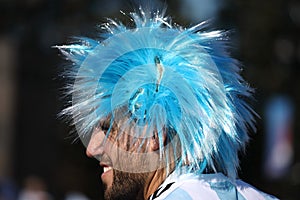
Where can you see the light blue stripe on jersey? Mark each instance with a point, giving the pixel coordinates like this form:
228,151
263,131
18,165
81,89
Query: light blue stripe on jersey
178,194
226,190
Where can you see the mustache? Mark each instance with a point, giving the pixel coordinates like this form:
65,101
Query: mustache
104,158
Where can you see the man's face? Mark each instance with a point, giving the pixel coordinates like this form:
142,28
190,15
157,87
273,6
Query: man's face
118,184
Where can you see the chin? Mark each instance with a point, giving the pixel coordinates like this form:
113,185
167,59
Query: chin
125,186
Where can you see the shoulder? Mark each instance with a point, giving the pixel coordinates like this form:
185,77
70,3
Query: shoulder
186,187
207,186
250,192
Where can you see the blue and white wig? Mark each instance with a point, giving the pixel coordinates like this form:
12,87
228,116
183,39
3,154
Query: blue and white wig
176,81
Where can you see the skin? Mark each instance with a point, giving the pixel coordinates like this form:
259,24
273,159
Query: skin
120,184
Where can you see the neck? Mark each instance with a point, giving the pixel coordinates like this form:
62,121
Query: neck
155,180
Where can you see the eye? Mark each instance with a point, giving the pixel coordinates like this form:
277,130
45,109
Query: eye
104,126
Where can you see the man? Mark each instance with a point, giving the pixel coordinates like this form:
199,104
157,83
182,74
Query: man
162,108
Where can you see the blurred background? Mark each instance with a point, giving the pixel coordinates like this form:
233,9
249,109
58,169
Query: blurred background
38,157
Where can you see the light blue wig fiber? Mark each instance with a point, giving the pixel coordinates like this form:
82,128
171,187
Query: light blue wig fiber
169,78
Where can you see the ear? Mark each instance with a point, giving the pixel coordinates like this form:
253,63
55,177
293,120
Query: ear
154,141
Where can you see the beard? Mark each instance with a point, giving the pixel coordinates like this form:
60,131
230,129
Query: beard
126,186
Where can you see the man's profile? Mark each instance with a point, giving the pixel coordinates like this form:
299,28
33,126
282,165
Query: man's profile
163,108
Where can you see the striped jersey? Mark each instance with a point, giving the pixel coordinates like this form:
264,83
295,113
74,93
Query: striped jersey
206,186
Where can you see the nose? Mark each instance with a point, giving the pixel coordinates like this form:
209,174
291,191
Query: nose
88,153
95,147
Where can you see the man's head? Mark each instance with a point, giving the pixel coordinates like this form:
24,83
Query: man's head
178,85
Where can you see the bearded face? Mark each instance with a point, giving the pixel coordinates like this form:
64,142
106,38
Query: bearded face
119,184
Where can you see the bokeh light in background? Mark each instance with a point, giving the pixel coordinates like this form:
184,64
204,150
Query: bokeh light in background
38,154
